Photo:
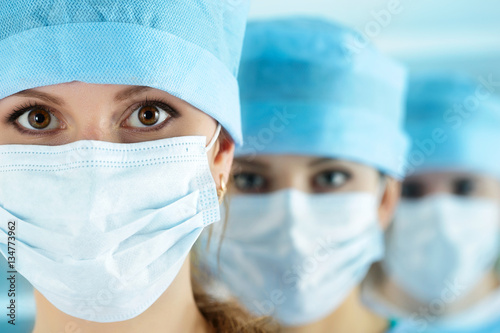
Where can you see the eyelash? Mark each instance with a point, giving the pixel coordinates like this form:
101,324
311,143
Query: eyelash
19,111
162,105
347,174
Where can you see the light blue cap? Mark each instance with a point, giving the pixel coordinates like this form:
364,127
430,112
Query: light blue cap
308,87
191,49
454,122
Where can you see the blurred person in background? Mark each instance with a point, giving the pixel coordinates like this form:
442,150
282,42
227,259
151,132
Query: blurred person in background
317,179
439,271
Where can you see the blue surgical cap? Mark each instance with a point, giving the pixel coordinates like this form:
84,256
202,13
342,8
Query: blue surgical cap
454,122
190,49
312,87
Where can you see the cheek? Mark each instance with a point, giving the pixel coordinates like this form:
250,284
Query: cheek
4,137
7,131
490,191
365,182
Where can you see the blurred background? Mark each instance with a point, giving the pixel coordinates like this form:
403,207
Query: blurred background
447,34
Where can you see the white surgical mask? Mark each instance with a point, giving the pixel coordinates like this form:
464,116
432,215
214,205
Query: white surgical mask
102,229
442,242
296,256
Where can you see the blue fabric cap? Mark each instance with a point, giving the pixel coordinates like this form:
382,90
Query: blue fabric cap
454,122
190,49
308,87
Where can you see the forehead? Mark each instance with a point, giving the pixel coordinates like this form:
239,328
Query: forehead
77,87
76,93
297,162
447,175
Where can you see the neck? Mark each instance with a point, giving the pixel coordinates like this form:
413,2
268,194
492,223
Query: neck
352,317
397,296
174,311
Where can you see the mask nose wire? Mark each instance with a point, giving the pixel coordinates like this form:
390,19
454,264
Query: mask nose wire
214,139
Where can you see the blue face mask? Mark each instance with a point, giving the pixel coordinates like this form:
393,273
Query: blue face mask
297,256
102,229
441,241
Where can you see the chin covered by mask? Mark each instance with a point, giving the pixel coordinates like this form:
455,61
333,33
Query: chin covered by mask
296,256
102,229
442,241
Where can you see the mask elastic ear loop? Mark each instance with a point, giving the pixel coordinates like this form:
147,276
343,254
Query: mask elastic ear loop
214,139
382,188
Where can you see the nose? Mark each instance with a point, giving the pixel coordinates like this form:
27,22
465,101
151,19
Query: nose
293,180
437,189
97,130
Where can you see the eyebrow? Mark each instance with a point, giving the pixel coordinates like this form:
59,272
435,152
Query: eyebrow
322,161
130,92
40,95
252,164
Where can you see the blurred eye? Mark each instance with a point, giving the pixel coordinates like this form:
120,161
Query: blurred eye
330,180
38,119
412,190
148,116
464,187
250,182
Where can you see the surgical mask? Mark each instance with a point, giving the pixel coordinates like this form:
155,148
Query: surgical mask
102,229
442,242
481,317
296,256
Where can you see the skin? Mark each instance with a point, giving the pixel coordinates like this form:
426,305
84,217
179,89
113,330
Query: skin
81,111
269,173
463,184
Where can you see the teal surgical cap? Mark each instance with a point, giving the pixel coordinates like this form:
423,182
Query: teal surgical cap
313,87
454,122
190,49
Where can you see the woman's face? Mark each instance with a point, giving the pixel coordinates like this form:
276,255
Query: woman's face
69,112
270,173
452,182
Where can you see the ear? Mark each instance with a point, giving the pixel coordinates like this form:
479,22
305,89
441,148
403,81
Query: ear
221,158
390,200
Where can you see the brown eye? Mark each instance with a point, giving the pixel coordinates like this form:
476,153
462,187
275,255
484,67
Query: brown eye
148,115
330,180
39,118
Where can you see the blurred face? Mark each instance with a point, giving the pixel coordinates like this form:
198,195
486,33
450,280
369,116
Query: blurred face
69,112
270,173
454,183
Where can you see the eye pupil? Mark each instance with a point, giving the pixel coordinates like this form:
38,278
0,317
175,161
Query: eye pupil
39,118
149,115
464,187
331,179
412,190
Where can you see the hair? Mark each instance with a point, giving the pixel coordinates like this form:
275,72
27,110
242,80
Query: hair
224,316
230,316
